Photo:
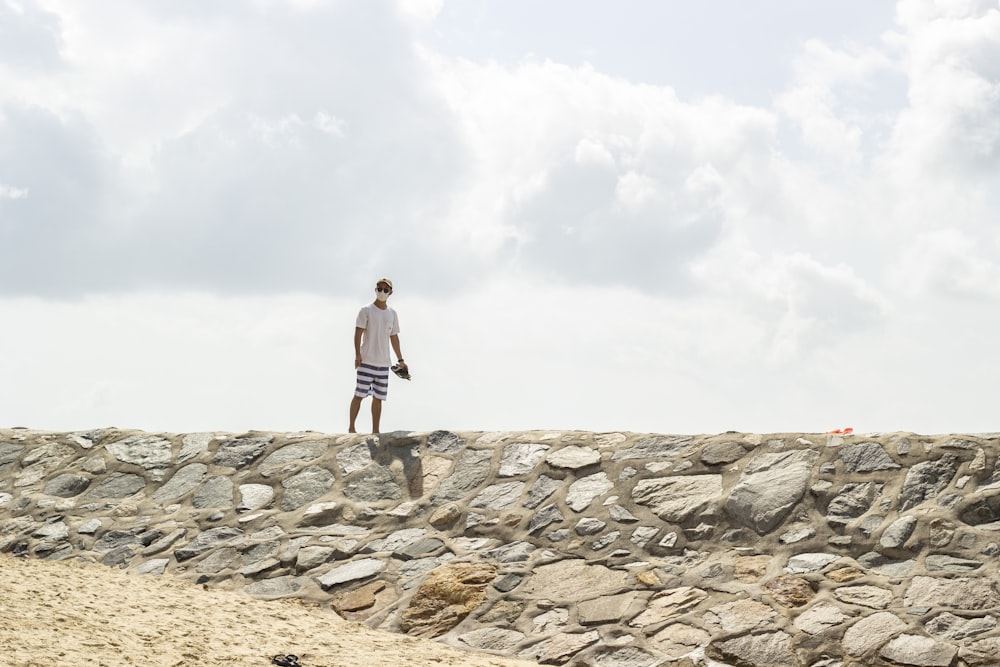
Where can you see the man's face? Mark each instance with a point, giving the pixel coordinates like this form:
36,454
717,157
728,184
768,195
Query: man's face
383,288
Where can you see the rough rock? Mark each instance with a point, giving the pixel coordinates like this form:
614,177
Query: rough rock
919,651
866,596
573,457
960,593
871,632
768,649
583,491
305,487
610,550
446,597
674,499
239,452
769,488
866,457
520,458
925,480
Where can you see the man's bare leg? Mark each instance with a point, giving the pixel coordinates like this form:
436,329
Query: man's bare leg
355,409
376,414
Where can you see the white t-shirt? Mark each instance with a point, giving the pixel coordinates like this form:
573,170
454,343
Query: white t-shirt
378,325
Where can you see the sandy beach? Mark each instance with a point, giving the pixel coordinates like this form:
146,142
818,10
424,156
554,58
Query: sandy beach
63,614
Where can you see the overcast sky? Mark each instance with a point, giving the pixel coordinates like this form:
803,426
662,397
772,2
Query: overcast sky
648,216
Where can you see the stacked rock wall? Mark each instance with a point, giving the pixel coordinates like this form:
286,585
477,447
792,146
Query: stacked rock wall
604,549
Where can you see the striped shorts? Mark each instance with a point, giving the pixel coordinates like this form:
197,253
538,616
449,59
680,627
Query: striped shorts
372,381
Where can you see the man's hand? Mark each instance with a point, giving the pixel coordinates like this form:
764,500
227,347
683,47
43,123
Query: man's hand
357,362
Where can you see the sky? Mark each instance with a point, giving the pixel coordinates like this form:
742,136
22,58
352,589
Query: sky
645,216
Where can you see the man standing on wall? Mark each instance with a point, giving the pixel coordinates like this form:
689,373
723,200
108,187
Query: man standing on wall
377,328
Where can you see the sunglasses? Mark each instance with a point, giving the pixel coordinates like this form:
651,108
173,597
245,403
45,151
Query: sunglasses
383,289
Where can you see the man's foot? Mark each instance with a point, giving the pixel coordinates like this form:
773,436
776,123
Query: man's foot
352,430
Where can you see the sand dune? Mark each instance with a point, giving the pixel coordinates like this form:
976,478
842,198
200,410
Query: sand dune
56,614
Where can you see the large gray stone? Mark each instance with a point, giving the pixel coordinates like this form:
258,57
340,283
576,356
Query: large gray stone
118,485
182,482
520,458
216,491
872,597
53,530
964,593
207,541
155,567
852,501
819,618
114,539
298,452
768,649
895,536
545,517
583,491
770,487
163,543
309,557
573,457
677,640
558,649
445,442
50,452
305,487
254,496
871,632
356,457
946,563
373,484
422,548
668,605
218,560
471,470
741,616
543,487
10,452
120,556
981,653
809,562
675,499
659,447
492,639
925,480
866,457
919,651
498,496
240,452
573,579
395,540
955,628
885,565
66,485
605,609
353,571
193,445
150,452
277,587
719,453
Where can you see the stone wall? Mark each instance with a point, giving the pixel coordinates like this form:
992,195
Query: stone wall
604,549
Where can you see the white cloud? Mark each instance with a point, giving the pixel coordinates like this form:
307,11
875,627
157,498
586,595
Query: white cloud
819,99
949,263
538,216
11,192
419,11
634,191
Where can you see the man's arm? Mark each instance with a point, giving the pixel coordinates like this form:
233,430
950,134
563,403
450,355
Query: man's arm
357,346
394,339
